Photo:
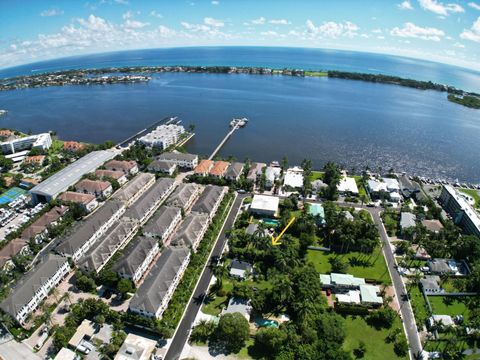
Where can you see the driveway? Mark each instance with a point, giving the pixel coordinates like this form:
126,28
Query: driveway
13,350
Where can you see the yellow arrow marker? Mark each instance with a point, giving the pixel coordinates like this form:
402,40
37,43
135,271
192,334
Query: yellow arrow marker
276,241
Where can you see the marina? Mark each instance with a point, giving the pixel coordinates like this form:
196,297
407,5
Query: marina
235,124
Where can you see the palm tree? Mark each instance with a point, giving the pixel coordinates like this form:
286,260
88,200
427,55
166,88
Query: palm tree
7,321
220,271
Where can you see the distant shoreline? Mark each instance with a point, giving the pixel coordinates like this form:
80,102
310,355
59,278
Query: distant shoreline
98,76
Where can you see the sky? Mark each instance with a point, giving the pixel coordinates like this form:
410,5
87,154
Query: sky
437,30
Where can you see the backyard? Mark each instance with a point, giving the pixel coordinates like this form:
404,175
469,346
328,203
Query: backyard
357,330
449,305
369,266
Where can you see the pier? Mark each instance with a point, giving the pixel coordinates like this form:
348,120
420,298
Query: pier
224,140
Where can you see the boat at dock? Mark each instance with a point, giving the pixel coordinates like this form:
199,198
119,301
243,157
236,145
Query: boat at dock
238,122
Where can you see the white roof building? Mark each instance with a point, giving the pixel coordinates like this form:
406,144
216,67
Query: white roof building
392,184
347,185
351,297
294,177
136,348
263,204
163,136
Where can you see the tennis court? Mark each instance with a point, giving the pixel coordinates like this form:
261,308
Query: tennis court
11,194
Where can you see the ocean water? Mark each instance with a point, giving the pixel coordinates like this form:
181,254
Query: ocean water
356,124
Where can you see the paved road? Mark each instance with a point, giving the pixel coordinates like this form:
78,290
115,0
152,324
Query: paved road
181,336
405,306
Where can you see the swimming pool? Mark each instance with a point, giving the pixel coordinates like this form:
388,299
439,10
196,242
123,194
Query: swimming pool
271,222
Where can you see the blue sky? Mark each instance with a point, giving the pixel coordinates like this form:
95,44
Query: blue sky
444,31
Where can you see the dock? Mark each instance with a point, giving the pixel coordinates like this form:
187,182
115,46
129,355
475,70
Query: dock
224,140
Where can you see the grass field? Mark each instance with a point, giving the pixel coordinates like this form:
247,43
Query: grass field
316,175
377,349
448,305
419,306
377,269
474,194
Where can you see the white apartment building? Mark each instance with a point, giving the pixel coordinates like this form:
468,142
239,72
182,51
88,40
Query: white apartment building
40,141
163,136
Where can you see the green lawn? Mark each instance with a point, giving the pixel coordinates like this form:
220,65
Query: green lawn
316,73
361,189
448,305
358,330
474,194
376,270
317,175
419,306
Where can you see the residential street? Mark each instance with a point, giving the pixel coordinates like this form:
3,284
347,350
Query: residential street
183,330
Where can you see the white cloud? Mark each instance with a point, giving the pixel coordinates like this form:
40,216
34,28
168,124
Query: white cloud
127,15
440,8
213,22
332,29
406,5
123,2
260,21
51,12
134,24
411,30
474,5
164,31
459,45
381,37
474,33
156,14
215,2
279,22
377,31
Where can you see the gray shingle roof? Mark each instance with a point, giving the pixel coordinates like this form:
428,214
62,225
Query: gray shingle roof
107,245
161,220
188,232
68,176
31,282
407,220
134,255
207,199
84,230
182,194
133,186
150,294
234,170
160,166
149,198
176,156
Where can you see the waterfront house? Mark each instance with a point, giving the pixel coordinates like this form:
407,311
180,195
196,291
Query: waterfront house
136,258
35,286
203,168
127,167
73,146
347,185
255,172
219,169
264,205
98,188
182,160
293,178
234,171
116,175
272,174
87,201
152,297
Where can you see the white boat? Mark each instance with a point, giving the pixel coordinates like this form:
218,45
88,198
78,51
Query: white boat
240,122
3,112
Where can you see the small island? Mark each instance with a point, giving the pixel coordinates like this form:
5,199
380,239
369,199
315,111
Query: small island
466,100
